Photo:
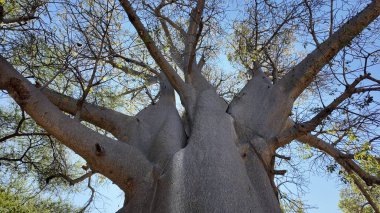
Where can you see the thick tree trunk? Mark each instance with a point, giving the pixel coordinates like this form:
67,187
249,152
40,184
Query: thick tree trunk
223,162
210,173
226,164
160,168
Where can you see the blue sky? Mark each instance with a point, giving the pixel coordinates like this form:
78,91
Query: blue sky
323,196
322,193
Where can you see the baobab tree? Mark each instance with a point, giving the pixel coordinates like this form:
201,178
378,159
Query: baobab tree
216,154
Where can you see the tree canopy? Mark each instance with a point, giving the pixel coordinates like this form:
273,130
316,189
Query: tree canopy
82,79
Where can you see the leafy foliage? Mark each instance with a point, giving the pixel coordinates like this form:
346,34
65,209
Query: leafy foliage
353,201
88,50
22,203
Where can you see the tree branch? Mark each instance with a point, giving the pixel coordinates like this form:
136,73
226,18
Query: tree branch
193,34
133,72
273,65
157,12
176,81
365,194
297,130
311,24
117,160
69,179
303,73
30,15
348,164
282,157
139,63
17,134
91,196
176,55
102,117
317,119
18,19
279,172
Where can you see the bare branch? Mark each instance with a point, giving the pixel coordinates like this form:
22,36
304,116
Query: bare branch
365,194
347,163
289,17
282,157
133,72
18,19
298,130
202,62
91,196
139,63
70,180
311,24
107,119
175,54
30,15
303,73
118,160
317,119
279,172
193,34
163,19
17,134
173,24
331,17
176,81
273,65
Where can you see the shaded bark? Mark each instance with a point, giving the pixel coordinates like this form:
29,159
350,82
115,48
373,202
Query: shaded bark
107,119
209,174
224,162
304,72
117,161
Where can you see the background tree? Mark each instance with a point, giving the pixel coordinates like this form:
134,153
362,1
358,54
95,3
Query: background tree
83,71
11,202
353,200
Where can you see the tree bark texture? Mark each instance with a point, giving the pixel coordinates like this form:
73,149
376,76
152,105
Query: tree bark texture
217,157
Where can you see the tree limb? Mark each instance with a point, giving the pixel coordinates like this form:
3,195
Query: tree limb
70,180
318,118
117,161
133,72
303,73
176,55
30,15
107,119
282,157
365,194
297,130
17,134
176,81
348,164
193,33
311,24
18,19
91,196
157,12
139,63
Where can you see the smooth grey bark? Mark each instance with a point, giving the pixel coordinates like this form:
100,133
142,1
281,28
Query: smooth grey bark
104,155
304,72
102,117
157,166
210,174
222,163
